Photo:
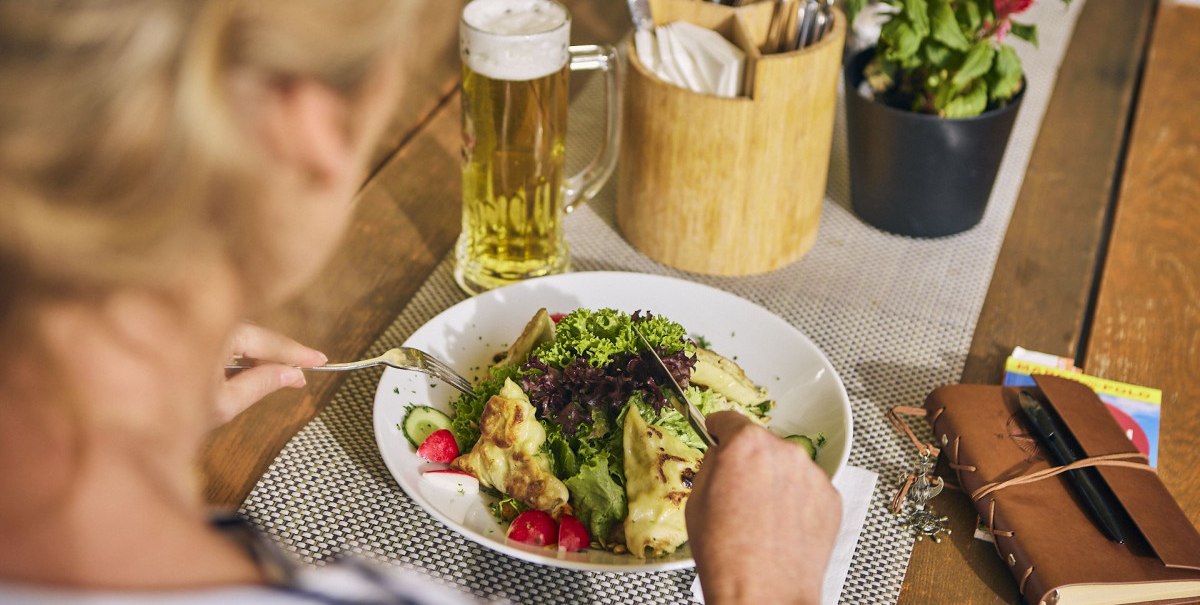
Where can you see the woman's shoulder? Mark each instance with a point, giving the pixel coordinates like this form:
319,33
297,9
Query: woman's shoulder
344,582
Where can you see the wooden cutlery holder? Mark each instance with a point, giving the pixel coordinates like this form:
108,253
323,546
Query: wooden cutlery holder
729,186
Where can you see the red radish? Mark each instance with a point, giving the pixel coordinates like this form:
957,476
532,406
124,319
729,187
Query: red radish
439,446
463,483
535,527
572,535
557,317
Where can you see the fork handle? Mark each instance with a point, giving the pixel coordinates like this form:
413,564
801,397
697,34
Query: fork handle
340,367
238,367
330,367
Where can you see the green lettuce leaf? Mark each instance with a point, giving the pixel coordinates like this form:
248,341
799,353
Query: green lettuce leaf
563,459
602,335
468,408
670,420
599,501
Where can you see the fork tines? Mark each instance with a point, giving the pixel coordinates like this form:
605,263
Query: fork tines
448,375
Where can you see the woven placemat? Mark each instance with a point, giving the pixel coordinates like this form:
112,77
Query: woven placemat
895,316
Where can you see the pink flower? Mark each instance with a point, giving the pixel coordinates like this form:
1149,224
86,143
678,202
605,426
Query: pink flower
1004,8
1003,30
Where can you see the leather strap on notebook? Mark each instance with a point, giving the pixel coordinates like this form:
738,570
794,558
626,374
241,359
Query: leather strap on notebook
1126,460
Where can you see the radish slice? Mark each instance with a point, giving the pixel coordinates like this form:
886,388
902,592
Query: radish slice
439,446
572,535
534,527
458,481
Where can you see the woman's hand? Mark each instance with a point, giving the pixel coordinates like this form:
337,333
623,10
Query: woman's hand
278,358
762,518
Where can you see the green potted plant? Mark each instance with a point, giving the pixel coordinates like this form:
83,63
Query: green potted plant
929,111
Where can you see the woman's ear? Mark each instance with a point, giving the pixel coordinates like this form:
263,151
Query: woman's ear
305,124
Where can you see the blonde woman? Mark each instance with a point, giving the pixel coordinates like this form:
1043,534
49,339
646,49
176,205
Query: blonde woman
166,168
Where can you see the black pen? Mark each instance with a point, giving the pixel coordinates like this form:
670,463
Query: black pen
1063,449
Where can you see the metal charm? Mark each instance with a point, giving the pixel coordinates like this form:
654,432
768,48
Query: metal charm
919,487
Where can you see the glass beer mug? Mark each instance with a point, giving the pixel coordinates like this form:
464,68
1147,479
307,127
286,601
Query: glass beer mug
516,62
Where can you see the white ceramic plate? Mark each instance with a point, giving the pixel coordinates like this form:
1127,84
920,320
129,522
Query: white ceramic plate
810,396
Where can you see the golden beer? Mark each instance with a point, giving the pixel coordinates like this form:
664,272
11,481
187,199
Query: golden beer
513,156
516,64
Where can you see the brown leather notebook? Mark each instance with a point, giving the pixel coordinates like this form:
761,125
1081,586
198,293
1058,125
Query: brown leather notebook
1054,548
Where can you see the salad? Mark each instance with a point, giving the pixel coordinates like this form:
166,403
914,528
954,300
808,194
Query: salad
576,432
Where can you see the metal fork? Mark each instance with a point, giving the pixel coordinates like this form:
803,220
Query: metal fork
402,358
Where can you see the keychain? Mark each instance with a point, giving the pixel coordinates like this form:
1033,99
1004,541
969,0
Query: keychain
919,486
917,489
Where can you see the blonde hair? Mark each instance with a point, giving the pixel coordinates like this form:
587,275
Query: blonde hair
120,151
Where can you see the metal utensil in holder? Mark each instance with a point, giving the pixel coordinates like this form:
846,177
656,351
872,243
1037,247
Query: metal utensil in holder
798,24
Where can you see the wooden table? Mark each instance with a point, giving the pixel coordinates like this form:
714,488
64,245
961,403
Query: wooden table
1099,262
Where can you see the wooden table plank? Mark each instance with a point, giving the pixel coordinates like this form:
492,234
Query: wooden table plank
1040,289
429,77
1146,328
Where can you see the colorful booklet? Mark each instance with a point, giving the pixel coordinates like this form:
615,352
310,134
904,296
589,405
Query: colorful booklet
1136,408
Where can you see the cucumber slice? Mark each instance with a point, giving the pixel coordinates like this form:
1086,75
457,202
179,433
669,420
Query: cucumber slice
810,444
421,421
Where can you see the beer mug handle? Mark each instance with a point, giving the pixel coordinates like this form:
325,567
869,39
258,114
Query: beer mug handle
587,183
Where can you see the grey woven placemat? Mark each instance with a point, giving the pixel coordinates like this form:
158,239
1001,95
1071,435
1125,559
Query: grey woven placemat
895,316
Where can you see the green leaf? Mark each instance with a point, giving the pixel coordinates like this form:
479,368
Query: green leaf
936,54
468,408
670,420
603,335
1026,32
1004,80
564,461
945,26
880,74
917,12
942,96
902,41
968,14
987,11
599,501
970,103
977,63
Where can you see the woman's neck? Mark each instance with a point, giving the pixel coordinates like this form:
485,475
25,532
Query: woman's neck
117,525
97,446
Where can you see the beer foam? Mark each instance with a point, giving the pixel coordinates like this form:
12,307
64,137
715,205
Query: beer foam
514,39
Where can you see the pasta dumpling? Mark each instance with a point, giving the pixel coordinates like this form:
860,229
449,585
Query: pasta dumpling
508,455
659,469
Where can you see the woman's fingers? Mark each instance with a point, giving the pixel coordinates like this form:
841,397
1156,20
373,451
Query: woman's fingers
249,386
262,344
280,359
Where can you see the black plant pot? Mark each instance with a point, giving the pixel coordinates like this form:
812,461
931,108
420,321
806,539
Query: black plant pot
917,174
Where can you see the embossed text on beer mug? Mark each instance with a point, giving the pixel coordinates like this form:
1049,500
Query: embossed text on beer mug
516,63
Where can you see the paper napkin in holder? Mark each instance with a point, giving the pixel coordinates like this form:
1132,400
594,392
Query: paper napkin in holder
693,57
